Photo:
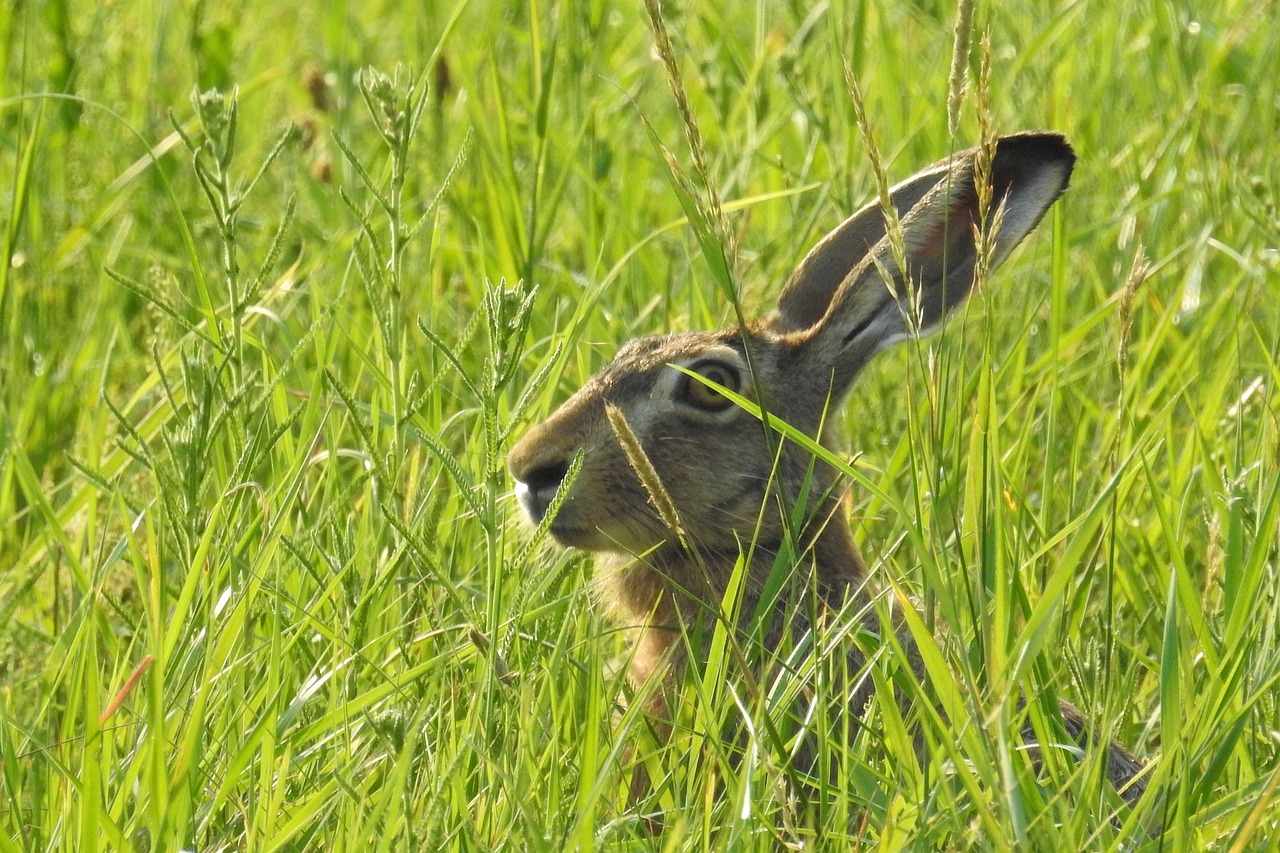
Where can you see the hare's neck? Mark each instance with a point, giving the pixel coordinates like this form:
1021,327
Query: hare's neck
670,593
675,589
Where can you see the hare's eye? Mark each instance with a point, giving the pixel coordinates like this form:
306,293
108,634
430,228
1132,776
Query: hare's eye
702,396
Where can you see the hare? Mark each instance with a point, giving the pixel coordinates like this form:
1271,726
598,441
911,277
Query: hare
727,485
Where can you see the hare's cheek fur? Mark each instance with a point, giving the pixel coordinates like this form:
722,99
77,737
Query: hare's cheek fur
704,450
606,508
718,504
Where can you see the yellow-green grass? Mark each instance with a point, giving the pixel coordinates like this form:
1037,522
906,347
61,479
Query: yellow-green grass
262,585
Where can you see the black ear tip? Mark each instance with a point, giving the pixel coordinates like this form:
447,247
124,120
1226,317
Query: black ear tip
1045,143
1035,147
1037,144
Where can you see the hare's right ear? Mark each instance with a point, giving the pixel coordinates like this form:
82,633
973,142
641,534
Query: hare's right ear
849,299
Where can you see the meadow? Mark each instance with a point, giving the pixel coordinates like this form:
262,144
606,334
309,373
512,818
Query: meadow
283,282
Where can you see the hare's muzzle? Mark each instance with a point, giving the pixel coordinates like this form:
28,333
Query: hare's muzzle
536,488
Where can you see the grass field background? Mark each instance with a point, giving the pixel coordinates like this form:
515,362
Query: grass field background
262,585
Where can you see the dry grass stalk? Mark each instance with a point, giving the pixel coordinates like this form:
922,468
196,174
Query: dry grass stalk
959,62
644,469
1138,273
988,221
893,225
714,208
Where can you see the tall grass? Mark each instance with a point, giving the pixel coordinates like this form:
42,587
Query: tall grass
262,352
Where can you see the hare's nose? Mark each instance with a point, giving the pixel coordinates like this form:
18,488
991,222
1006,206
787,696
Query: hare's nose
537,487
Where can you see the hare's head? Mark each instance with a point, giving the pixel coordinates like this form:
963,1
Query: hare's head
848,300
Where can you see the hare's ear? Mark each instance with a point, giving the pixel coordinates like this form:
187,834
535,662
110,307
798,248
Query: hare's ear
866,305
807,296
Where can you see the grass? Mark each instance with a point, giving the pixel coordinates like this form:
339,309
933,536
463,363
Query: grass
261,582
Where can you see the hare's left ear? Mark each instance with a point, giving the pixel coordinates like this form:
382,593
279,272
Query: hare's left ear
848,300
807,296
